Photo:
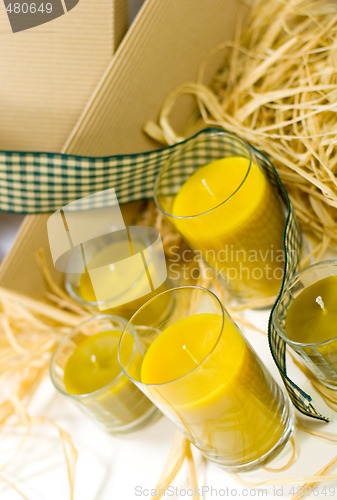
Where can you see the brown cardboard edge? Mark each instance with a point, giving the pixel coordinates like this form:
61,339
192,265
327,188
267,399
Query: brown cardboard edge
120,21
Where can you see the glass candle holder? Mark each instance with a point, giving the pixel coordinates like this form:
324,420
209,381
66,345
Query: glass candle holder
124,282
216,194
84,367
203,375
306,318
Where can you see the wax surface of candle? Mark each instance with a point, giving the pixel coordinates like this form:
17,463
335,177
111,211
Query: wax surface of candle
240,224
93,364
312,316
226,401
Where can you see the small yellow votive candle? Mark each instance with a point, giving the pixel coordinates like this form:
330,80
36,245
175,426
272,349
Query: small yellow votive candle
228,212
123,282
200,372
306,318
85,368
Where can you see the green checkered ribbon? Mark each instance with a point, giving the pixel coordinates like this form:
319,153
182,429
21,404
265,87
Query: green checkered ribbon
33,183
292,244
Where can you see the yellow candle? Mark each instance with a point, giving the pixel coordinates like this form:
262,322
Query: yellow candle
157,311
93,364
214,389
124,284
92,370
123,281
312,318
231,215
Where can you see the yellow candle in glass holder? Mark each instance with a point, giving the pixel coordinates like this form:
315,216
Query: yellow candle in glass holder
215,388
311,327
92,370
228,211
134,284
126,310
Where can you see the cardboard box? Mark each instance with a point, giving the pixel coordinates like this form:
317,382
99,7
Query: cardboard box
50,71
163,48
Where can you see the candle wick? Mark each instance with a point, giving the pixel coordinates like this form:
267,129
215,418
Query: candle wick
204,182
320,302
186,349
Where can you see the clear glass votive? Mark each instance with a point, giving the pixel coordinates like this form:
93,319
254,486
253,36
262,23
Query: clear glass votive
306,319
85,368
124,282
204,376
217,195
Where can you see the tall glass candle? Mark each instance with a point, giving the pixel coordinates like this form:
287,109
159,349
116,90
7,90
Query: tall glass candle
306,318
219,198
204,376
85,368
